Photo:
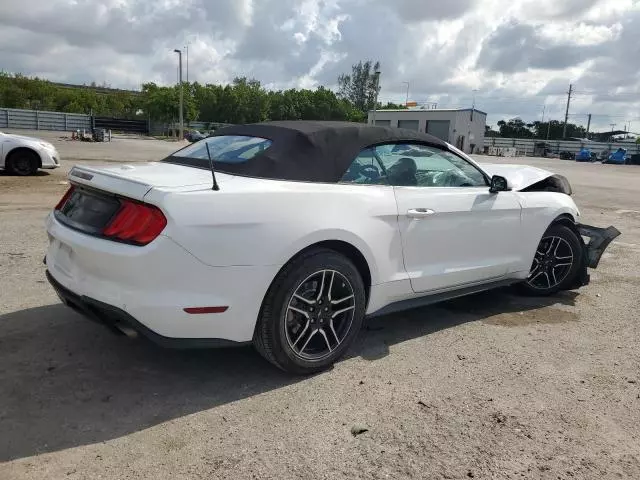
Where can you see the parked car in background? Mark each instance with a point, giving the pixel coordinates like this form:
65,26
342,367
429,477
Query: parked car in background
585,155
23,156
194,136
619,157
286,234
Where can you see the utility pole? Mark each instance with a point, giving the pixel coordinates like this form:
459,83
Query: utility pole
179,52
588,126
548,129
566,115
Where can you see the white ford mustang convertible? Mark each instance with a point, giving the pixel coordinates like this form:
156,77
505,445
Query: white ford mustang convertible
287,234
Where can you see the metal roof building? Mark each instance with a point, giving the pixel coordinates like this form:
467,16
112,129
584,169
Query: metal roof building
463,128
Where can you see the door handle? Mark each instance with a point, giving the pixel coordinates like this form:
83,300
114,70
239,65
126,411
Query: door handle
420,212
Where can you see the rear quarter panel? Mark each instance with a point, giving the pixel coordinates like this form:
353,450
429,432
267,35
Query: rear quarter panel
266,222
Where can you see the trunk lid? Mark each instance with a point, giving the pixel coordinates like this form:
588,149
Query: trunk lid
134,180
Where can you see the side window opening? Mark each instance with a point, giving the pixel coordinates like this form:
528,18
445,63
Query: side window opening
419,165
366,169
223,148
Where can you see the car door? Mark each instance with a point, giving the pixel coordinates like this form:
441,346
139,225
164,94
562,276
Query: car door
454,231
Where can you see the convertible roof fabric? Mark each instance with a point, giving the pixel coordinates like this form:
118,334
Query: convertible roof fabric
313,151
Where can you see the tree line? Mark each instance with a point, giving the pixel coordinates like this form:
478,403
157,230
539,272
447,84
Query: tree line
551,130
242,101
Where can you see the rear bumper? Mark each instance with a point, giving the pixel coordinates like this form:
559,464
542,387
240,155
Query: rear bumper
153,285
120,322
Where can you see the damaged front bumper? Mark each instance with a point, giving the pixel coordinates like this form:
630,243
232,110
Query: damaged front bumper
599,240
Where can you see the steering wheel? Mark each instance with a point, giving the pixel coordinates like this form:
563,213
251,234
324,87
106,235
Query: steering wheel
450,178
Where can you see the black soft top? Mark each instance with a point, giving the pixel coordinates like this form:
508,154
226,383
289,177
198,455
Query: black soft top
313,151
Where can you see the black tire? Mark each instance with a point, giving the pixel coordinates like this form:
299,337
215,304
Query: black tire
23,163
272,337
561,277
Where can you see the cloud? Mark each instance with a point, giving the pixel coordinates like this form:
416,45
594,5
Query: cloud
517,55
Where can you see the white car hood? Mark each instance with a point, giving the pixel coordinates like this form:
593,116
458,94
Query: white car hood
22,138
518,176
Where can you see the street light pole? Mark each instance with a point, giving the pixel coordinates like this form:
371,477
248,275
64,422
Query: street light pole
187,52
406,102
376,75
179,52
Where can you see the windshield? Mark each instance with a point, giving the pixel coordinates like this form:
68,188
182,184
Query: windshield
232,149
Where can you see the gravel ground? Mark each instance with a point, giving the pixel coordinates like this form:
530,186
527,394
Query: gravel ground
492,386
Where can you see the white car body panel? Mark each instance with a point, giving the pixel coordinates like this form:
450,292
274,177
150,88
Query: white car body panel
468,235
155,283
224,248
48,153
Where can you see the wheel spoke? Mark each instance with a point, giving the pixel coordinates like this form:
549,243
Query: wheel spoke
534,270
338,312
320,290
553,239
333,275
553,274
333,330
561,265
548,279
326,339
342,300
570,257
301,312
305,300
304,330
534,278
313,333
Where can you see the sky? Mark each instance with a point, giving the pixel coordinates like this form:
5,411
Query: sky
512,57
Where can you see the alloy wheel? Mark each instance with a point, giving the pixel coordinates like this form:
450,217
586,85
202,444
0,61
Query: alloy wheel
319,315
22,165
551,264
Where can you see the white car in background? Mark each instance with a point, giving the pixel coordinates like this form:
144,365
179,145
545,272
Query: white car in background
23,156
286,234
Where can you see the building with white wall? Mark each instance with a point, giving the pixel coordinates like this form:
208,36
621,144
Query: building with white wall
463,128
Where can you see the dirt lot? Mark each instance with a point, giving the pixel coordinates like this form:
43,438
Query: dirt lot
493,386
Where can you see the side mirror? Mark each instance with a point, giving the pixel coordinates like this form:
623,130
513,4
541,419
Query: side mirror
498,184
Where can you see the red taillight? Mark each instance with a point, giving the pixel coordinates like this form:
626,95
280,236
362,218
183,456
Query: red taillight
136,222
64,198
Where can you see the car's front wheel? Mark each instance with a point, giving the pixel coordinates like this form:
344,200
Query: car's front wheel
556,263
22,163
312,312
